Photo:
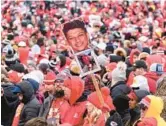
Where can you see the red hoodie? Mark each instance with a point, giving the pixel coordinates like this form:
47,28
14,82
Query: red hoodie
131,75
134,51
130,79
23,54
165,67
74,115
152,78
62,105
154,59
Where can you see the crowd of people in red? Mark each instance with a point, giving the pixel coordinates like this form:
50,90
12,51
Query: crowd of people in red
42,82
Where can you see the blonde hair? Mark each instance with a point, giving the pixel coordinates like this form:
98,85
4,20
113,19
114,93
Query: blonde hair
95,113
120,52
127,43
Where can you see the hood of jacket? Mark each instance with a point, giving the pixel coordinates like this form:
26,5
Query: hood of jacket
152,75
154,59
76,85
162,93
155,108
27,91
34,84
133,52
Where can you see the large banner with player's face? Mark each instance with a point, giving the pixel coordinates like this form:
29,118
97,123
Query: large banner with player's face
77,37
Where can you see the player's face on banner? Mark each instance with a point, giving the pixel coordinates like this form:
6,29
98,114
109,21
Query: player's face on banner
78,39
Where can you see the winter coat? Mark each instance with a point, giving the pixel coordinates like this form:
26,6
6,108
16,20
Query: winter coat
35,86
119,88
9,103
129,62
126,117
152,78
130,78
23,54
114,119
161,91
121,103
74,115
154,110
135,115
30,111
155,58
31,104
45,108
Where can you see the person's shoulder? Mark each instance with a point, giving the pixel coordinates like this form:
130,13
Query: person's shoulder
34,100
33,104
8,87
121,86
48,99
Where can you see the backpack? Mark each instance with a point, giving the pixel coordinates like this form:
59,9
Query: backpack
114,119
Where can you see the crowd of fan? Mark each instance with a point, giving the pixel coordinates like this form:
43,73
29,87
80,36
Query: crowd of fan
40,79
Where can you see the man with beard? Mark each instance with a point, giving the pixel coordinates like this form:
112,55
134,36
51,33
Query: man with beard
48,84
54,107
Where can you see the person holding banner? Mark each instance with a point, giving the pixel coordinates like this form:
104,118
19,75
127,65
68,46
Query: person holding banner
96,112
77,38
74,89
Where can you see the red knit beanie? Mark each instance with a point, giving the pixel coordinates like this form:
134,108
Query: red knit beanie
50,78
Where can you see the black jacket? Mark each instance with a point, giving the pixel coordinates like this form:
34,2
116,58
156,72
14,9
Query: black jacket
135,115
126,117
9,102
30,110
31,104
121,104
114,119
120,88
